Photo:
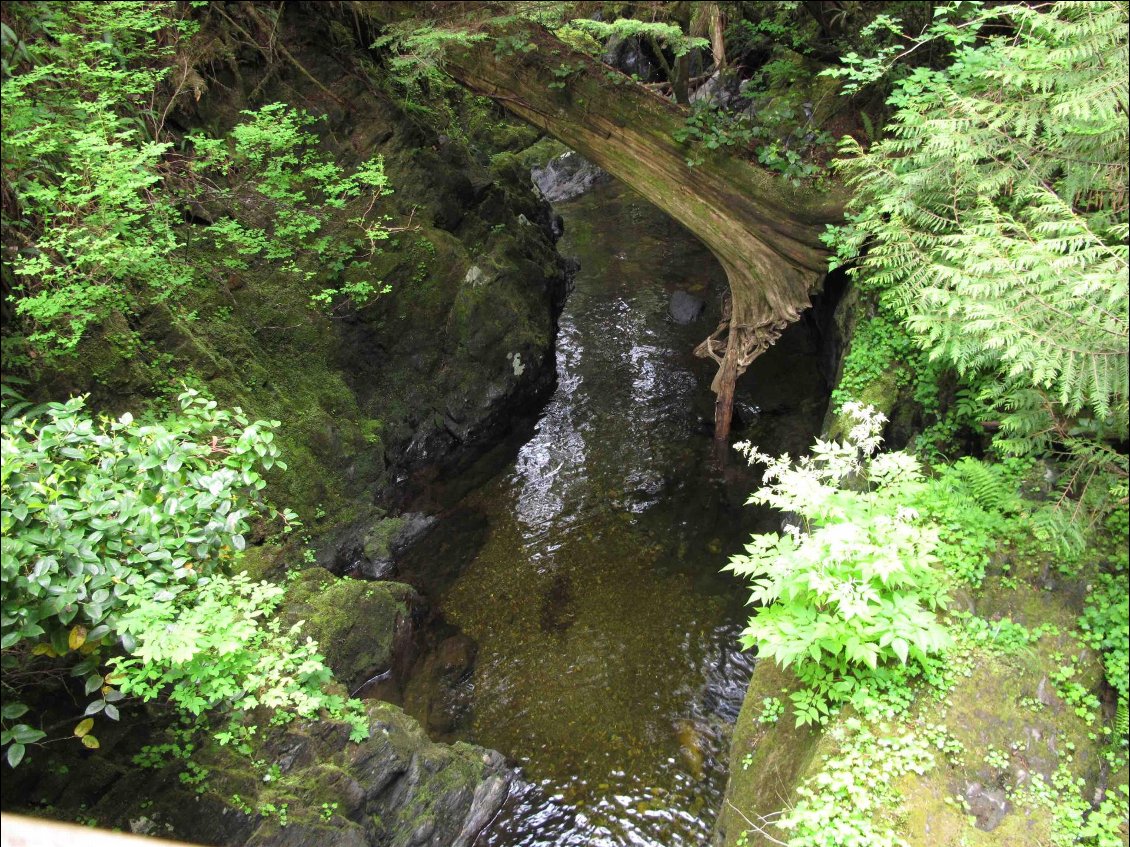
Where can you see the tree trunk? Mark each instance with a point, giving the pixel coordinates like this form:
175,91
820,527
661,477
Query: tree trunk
681,81
764,231
717,36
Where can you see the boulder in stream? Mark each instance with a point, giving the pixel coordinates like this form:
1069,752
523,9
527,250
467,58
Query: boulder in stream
685,308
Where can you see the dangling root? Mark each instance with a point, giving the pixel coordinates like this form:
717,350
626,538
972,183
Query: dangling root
734,348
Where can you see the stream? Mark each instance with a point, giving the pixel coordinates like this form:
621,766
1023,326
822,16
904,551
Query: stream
589,633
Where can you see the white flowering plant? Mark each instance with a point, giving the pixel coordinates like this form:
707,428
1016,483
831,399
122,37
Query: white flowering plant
849,589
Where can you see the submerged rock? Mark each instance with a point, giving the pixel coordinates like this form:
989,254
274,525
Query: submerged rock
439,690
685,308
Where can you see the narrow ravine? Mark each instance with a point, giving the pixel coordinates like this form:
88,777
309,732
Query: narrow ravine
606,659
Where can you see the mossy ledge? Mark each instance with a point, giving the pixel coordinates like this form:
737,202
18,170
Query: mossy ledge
1009,736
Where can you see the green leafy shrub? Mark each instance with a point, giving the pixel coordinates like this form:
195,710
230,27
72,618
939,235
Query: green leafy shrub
117,534
285,192
91,225
782,145
978,512
95,193
668,35
852,587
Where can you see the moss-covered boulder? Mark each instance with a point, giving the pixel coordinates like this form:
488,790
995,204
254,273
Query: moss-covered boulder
889,390
1009,751
768,754
358,625
302,784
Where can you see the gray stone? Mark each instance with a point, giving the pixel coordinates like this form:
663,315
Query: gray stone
685,307
568,176
987,805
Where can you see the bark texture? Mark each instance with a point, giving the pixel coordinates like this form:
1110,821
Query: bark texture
764,231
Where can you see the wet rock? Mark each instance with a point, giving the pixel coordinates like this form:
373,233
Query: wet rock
300,835
628,55
430,794
685,308
369,547
692,746
746,414
568,176
396,788
987,805
381,549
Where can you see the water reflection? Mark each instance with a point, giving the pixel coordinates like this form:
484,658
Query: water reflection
606,635
558,445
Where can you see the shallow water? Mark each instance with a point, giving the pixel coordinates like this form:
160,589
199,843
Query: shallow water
587,570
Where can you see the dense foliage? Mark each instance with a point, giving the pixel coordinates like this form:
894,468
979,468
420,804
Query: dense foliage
82,168
96,188
118,536
994,216
989,233
853,586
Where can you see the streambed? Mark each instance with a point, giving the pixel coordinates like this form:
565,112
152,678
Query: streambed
590,634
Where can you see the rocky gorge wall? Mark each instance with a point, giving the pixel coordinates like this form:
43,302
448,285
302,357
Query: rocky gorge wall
429,372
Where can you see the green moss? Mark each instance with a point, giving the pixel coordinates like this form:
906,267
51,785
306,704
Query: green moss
1005,725
882,394
354,622
371,430
540,153
264,561
766,759
378,539
1005,704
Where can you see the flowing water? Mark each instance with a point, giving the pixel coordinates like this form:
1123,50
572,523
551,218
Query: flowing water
587,571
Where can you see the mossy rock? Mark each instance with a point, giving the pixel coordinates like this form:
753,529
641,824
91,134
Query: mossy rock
357,624
766,759
1007,709
298,784
1014,731
541,152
